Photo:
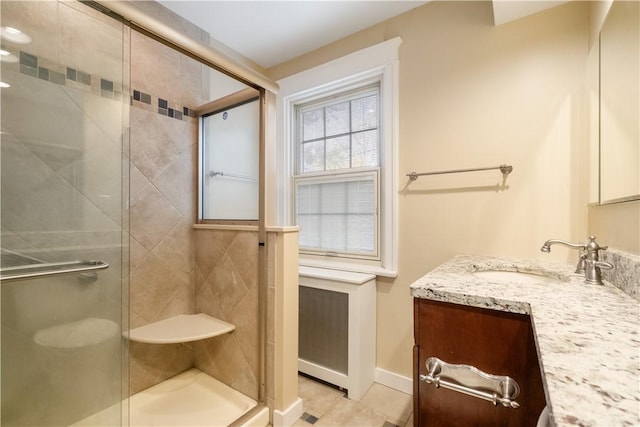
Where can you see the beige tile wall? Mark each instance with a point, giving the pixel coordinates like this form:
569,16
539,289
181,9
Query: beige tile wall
163,165
174,269
59,30
227,288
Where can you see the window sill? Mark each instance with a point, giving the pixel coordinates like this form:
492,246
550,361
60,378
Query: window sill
351,267
233,227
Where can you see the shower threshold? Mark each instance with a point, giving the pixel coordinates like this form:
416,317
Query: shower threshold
193,399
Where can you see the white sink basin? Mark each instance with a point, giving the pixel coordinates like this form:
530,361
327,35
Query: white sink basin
515,277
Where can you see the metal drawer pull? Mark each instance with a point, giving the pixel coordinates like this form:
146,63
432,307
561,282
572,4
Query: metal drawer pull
50,269
469,380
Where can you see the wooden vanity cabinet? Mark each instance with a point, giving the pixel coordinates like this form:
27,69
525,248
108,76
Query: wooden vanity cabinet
495,342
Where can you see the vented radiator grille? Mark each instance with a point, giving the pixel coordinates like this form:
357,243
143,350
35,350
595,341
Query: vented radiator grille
324,328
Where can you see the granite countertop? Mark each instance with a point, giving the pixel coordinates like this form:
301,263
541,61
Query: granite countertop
587,335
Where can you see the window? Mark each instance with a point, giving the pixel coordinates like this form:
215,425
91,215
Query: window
229,158
336,186
336,160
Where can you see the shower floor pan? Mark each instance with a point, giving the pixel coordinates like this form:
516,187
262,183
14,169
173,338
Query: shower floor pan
192,398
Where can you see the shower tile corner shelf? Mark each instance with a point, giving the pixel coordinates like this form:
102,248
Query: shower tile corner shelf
181,328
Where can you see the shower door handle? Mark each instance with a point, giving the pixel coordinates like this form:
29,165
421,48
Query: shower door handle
469,380
49,269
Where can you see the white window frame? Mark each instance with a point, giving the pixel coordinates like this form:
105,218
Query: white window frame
376,63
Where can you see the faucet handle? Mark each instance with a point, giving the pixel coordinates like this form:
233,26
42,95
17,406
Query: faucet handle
594,247
602,264
581,264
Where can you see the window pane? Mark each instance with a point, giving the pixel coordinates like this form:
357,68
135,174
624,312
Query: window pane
337,215
338,153
364,113
313,124
313,156
361,196
310,238
334,236
333,198
230,140
308,199
308,219
360,232
364,149
337,117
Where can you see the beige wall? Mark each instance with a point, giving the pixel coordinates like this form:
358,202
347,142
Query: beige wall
472,95
617,225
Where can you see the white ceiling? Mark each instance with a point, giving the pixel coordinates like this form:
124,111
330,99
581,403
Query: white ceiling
509,10
270,32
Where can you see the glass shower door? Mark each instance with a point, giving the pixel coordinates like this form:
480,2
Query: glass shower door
64,101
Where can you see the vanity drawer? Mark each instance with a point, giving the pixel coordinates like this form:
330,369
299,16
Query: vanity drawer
494,342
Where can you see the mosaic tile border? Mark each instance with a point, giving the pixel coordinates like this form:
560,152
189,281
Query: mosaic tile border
162,106
43,69
62,75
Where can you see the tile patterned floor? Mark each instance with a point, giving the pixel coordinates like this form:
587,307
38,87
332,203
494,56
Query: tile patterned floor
327,406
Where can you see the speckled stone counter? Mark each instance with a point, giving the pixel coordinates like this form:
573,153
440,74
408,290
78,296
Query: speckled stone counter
587,335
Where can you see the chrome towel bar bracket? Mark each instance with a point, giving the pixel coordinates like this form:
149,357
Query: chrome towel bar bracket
505,169
471,381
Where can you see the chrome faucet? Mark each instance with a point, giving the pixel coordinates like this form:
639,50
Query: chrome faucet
589,261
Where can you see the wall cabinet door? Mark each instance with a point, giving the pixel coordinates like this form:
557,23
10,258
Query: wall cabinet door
495,342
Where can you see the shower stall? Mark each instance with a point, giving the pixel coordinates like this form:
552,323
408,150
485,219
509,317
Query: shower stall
100,120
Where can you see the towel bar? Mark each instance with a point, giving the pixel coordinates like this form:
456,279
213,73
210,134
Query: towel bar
505,169
50,269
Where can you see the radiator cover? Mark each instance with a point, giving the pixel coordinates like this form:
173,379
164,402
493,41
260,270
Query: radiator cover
337,328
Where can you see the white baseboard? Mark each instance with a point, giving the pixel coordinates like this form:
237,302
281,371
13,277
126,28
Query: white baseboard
394,381
289,416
